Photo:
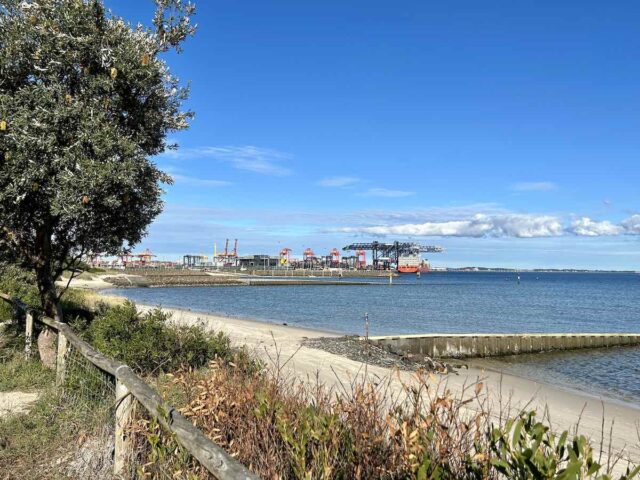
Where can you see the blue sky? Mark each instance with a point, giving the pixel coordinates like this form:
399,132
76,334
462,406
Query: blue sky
507,132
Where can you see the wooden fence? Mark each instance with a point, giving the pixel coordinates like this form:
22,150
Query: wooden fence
130,386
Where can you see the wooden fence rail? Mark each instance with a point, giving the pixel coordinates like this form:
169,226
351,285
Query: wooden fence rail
129,386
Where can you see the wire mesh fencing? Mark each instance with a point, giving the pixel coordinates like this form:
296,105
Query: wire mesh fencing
87,387
87,396
91,394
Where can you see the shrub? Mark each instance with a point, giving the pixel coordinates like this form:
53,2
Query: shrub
525,448
147,343
19,284
282,428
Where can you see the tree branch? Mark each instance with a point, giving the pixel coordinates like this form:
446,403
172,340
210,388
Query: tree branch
70,265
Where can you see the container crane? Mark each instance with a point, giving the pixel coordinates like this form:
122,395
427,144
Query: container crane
386,254
308,257
285,256
335,257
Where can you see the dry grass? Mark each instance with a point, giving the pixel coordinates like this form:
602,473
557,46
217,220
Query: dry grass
283,428
92,300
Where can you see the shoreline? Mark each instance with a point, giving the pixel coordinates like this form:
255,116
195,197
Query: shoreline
600,395
477,363
318,332
566,407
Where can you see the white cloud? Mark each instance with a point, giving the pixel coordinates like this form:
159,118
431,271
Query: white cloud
534,186
480,225
199,182
383,192
504,225
249,158
632,224
590,228
338,181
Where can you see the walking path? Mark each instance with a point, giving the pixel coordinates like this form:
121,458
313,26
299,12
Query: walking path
12,403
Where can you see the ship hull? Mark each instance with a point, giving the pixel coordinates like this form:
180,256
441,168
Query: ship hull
413,269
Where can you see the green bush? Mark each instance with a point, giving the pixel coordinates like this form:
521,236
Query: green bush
147,343
526,449
19,284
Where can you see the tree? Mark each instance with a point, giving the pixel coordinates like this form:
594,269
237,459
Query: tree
85,100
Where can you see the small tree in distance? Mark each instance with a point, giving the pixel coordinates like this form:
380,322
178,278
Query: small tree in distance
85,101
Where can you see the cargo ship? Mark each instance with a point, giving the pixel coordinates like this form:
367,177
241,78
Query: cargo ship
413,264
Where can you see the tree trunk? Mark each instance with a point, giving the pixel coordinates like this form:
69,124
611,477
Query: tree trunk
47,340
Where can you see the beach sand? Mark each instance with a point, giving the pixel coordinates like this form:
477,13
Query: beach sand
282,344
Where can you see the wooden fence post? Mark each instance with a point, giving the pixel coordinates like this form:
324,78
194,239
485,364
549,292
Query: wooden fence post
28,335
61,359
124,404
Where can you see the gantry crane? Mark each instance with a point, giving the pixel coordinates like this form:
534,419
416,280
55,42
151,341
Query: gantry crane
384,254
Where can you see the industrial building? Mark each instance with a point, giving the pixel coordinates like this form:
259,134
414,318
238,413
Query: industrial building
258,261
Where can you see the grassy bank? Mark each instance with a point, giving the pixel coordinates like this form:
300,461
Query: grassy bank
151,277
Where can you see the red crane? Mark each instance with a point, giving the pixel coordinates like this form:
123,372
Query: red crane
230,259
145,257
335,257
361,259
309,258
285,256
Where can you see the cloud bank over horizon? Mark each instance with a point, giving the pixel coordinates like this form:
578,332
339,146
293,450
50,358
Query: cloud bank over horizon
504,225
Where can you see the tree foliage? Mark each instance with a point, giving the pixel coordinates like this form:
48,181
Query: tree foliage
85,100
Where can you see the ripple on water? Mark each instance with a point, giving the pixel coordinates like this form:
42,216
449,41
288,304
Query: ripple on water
611,372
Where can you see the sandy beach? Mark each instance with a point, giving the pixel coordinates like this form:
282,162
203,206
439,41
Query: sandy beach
565,408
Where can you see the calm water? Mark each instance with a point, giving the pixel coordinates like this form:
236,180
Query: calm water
459,303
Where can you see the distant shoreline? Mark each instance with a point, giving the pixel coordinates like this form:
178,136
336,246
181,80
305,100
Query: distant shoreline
535,270
201,278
